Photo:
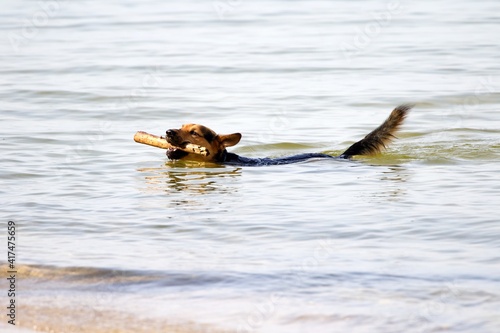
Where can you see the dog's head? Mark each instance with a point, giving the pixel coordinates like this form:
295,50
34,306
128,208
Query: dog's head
215,144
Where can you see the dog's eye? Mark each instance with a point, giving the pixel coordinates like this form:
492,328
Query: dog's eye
193,133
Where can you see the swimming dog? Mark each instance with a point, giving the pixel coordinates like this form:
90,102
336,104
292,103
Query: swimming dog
216,144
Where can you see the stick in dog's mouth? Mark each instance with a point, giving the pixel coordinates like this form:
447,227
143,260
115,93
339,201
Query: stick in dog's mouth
187,147
161,142
195,149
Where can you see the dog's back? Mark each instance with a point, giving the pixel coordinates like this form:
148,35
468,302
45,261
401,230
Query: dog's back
373,143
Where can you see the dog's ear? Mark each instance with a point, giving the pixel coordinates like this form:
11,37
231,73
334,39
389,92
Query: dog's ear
229,140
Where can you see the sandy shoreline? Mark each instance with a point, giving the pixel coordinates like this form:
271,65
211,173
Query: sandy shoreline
7,328
87,320
51,300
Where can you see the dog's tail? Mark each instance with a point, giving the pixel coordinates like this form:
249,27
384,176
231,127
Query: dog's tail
377,140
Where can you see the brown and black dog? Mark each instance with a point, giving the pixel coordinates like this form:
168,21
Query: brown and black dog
216,144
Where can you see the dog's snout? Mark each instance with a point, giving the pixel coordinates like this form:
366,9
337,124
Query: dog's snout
173,137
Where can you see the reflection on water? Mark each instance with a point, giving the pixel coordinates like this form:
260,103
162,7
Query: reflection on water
191,178
396,176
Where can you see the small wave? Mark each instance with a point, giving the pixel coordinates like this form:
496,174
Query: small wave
87,276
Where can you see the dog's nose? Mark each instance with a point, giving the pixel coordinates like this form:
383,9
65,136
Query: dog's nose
170,133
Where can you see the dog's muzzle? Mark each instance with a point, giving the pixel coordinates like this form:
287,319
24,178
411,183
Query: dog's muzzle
173,139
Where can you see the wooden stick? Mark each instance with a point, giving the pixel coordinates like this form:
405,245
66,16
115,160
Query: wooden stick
161,142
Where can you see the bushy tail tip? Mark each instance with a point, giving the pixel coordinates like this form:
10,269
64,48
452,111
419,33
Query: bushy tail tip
378,139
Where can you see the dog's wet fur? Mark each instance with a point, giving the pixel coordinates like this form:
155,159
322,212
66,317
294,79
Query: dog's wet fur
216,144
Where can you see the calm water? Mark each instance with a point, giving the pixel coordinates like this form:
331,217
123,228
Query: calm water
112,237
